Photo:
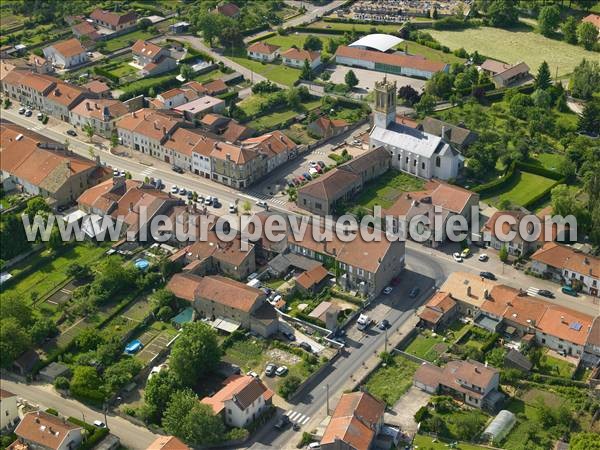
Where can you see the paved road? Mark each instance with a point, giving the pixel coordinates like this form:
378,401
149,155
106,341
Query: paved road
132,436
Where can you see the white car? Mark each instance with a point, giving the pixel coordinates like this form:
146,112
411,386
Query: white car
312,164
281,371
99,424
174,189
232,208
483,257
387,290
313,171
457,257
253,374
262,204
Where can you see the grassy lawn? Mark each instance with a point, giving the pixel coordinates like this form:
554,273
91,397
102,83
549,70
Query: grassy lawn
274,284
208,76
430,443
277,117
436,55
53,271
526,420
147,83
390,382
386,189
299,134
296,39
122,70
126,40
275,72
514,46
356,26
550,161
248,354
426,346
555,367
523,188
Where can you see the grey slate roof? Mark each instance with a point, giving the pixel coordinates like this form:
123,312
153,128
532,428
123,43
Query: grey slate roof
458,135
415,141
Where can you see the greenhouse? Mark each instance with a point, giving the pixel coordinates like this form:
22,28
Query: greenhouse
500,426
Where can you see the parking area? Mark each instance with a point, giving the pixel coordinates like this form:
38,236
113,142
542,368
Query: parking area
367,78
402,414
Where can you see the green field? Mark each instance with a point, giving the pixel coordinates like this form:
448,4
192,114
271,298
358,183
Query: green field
431,443
550,161
274,72
414,48
426,346
391,382
126,40
296,39
384,190
122,69
52,271
514,46
274,118
523,188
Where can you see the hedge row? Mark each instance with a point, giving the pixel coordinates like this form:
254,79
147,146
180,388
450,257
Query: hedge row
548,379
257,29
487,188
262,38
141,87
315,30
354,21
95,434
467,91
106,74
538,170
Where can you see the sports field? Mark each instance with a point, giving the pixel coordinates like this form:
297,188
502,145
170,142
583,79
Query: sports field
514,46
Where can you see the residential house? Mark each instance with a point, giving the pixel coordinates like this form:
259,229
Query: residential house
235,165
565,330
66,54
152,59
228,303
27,87
262,51
355,423
471,381
172,98
276,146
457,135
115,21
311,281
324,127
505,75
241,400
214,87
179,27
85,30
594,19
438,201
34,164
566,265
413,151
167,443
98,89
591,349
9,413
214,256
146,130
179,147
39,65
440,310
201,158
196,109
101,114
468,290
229,9
130,201
364,267
40,430
62,99
294,57
321,196
236,132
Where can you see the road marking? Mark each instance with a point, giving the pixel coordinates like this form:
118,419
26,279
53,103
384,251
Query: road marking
534,292
305,421
268,198
297,417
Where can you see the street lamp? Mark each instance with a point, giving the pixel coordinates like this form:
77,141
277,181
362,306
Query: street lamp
326,387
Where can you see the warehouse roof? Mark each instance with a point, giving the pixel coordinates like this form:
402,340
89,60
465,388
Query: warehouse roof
377,41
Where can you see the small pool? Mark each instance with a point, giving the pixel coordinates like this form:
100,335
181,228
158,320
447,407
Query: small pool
142,264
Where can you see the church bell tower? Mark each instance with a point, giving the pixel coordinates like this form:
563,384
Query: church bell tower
385,103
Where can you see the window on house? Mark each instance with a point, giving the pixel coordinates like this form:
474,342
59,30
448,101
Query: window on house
318,205
438,161
423,165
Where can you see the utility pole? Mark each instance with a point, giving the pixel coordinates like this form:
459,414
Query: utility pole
327,390
385,342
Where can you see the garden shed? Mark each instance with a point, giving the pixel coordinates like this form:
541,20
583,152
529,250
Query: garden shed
500,426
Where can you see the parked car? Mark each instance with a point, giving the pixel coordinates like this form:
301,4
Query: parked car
159,183
457,257
321,163
312,171
488,275
208,200
312,163
262,204
216,203
232,208
414,292
466,253
177,169
99,424
569,291
174,189
29,113
384,324
182,191
307,176
483,257
253,374
288,334
116,172
71,133
295,181
301,178
282,423
270,369
22,110
388,290
306,346
546,293
281,371
190,195
319,169
40,116
296,426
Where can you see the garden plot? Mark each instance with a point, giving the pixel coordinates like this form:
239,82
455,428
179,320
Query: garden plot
153,345
138,311
63,295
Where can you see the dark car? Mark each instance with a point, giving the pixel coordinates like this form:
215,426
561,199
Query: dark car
569,291
177,169
71,133
488,275
414,292
306,346
307,175
289,335
282,422
384,324
546,293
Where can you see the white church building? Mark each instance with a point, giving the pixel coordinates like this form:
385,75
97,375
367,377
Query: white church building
413,151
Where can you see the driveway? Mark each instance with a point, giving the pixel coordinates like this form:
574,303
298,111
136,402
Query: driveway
367,78
403,412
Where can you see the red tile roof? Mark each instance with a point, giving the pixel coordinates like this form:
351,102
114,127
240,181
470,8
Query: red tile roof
563,257
167,443
594,19
393,59
44,429
228,9
113,18
243,390
68,48
263,47
312,277
144,48
228,292
301,55
184,285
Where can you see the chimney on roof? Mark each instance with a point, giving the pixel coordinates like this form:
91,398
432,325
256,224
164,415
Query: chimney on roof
164,130
134,115
228,156
87,106
486,294
446,132
156,127
468,291
69,164
130,206
477,370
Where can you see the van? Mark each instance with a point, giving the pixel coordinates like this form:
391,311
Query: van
363,322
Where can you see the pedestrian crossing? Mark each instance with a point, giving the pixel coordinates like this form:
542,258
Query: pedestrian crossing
268,198
297,417
147,172
533,292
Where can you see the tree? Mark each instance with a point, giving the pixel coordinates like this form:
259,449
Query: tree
350,79
569,30
548,19
208,24
144,23
114,139
246,207
409,94
332,45
195,354
439,85
426,105
502,13
43,328
541,99
55,242
584,441
186,71
35,206
543,79
585,79
86,383
121,373
14,340
192,421
289,385
307,73
161,298
88,339
88,129
313,43
503,254
587,35
158,392
519,105
16,308
468,425
589,121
